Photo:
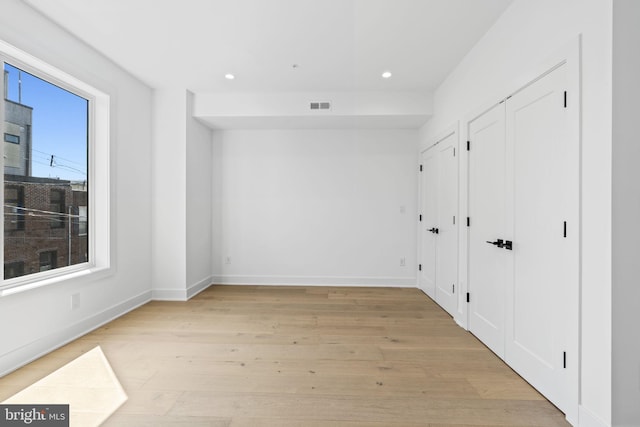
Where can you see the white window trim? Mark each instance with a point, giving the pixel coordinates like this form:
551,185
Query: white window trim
99,204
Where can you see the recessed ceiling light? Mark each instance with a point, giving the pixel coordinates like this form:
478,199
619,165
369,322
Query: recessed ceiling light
386,74
229,76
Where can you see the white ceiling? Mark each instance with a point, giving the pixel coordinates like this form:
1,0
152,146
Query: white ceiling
339,45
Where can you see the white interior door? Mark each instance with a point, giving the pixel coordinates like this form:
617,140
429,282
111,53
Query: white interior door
487,263
542,222
429,223
447,237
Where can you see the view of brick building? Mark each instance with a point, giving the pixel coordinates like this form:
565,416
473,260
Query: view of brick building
45,219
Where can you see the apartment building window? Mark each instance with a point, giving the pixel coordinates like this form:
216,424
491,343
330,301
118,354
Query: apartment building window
82,220
56,174
14,139
48,260
14,208
13,269
57,205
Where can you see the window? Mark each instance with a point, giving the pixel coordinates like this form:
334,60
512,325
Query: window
56,188
13,269
48,260
47,163
14,139
14,208
57,205
82,220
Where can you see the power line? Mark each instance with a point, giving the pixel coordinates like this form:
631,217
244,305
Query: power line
49,155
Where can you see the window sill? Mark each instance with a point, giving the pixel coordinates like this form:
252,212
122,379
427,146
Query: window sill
60,276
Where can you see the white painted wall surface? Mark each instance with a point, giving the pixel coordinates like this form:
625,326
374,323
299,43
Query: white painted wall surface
626,211
36,321
169,219
318,206
216,204
349,110
199,201
526,34
297,104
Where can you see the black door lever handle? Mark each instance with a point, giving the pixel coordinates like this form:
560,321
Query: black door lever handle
499,243
434,230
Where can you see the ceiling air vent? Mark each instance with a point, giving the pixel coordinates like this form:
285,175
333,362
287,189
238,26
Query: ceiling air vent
320,105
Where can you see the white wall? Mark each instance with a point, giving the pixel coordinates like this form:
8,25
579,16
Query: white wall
199,202
36,321
216,204
182,197
522,39
169,214
317,206
626,211
353,110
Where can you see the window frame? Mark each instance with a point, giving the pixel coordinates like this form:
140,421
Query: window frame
98,175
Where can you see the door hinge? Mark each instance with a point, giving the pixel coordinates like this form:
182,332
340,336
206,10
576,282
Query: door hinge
419,267
420,168
565,229
454,151
468,297
420,218
468,222
454,220
564,360
468,145
565,99
453,288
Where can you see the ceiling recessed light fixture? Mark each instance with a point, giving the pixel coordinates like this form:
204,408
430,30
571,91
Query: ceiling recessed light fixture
386,74
229,76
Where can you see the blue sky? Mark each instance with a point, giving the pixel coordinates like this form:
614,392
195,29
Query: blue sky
59,127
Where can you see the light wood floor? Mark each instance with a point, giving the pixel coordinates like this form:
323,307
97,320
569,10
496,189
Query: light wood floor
302,356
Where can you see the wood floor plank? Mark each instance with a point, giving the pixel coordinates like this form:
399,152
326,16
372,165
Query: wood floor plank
236,356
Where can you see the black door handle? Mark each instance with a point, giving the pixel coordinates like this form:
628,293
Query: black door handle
499,243
508,244
434,230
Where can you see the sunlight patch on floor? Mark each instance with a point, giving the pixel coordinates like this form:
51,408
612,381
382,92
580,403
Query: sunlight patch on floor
87,384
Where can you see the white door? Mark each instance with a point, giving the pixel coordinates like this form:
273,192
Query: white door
487,263
429,223
447,237
542,217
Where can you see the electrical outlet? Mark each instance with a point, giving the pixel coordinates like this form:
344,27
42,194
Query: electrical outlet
403,262
75,301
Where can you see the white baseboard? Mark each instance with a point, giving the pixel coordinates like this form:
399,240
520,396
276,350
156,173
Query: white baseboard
389,282
588,419
169,294
19,357
198,287
182,294
427,292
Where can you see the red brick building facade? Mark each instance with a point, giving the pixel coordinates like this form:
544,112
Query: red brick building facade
45,225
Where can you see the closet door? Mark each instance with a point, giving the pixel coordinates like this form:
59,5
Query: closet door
487,262
542,218
447,237
429,223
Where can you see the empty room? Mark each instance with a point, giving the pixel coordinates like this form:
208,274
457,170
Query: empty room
358,213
